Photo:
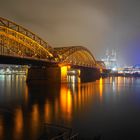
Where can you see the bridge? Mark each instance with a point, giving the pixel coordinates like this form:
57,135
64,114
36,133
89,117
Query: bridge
22,47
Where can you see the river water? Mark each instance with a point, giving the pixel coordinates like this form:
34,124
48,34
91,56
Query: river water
109,108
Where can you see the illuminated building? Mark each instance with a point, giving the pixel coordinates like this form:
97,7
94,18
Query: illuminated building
110,60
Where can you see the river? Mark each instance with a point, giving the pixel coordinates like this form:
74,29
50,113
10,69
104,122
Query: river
108,108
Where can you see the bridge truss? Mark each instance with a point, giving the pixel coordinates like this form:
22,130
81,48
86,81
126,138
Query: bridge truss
20,42
76,55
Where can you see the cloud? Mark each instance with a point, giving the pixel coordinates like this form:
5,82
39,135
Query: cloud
97,24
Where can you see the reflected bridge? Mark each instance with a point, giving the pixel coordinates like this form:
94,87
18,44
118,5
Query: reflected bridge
22,47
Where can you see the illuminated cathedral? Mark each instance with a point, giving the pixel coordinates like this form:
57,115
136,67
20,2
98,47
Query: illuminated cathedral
110,59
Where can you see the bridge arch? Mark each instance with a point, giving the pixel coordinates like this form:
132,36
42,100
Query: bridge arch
76,55
21,43
18,41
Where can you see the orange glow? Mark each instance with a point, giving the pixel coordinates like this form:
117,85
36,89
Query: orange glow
101,88
83,95
66,101
101,70
34,119
64,73
18,123
1,127
24,40
69,67
63,98
79,96
35,113
47,110
79,80
79,72
69,102
26,94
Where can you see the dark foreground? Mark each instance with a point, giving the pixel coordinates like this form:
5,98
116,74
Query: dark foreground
108,109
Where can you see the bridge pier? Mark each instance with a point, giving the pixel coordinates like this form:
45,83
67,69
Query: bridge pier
43,74
54,74
88,74
59,74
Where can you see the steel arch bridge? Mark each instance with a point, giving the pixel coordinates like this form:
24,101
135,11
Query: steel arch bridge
76,55
16,41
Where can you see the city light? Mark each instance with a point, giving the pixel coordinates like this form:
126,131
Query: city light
87,82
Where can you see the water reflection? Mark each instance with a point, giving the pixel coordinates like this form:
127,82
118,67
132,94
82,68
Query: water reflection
101,89
26,95
66,101
34,120
1,127
24,108
18,123
47,112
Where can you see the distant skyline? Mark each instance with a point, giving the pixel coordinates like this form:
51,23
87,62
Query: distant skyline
96,24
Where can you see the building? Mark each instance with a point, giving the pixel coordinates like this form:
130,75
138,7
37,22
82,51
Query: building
110,59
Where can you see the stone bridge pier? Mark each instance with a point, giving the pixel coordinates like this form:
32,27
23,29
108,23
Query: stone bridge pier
44,74
88,74
58,74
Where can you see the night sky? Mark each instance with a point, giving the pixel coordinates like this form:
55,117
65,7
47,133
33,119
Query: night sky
95,24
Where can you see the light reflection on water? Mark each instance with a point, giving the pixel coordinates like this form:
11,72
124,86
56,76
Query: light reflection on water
94,108
18,123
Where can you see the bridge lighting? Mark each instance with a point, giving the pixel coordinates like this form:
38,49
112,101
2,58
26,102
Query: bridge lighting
64,73
19,52
73,78
18,41
1,71
68,67
60,56
101,88
101,70
114,69
21,39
